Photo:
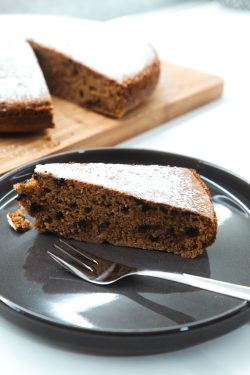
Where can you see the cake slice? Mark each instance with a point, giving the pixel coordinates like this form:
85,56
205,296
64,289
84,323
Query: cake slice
148,207
98,67
25,103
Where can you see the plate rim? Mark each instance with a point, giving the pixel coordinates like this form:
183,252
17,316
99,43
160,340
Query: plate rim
126,149
237,311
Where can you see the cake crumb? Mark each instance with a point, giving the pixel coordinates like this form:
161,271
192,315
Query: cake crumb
18,222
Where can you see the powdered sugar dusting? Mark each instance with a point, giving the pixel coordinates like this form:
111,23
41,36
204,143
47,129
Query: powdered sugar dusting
105,48
161,184
21,78
109,48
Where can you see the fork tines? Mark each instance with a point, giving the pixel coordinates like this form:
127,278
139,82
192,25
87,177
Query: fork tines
73,255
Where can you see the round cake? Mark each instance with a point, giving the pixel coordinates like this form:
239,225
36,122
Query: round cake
95,65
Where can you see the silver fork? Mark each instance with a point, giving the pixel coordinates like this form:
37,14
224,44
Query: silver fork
101,271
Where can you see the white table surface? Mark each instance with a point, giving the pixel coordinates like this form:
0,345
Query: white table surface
213,39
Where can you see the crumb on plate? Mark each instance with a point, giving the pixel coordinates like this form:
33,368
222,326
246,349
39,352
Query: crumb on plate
18,222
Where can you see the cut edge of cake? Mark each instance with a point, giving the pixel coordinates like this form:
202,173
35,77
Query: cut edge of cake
70,79
113,87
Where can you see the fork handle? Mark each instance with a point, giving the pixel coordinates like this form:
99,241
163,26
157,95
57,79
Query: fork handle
222,287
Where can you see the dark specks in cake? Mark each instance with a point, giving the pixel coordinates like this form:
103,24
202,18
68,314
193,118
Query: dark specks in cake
35,208
81,93
59,215
60,182
192,232
154,239
145,207
21,197
163,209
107,205
87,209
82,224
73,205
125,210
36,176
93,103
104,225
142,205
143,228
75,71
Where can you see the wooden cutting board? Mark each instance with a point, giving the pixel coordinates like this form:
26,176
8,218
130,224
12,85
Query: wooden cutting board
180,90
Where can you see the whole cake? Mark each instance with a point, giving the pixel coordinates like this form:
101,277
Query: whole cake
148,207
99,67
25,103
92,64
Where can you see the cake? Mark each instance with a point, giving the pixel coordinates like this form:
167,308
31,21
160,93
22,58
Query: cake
93,65
99,68
18,222
25,103
144,206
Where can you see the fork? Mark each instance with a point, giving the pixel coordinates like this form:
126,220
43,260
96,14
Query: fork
101,271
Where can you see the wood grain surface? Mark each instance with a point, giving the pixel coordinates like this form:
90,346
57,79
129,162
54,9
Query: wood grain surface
180,90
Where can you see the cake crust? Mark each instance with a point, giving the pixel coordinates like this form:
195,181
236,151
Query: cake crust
148,207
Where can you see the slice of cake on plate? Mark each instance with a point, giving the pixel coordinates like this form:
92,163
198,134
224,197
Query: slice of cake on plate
25,103
148,207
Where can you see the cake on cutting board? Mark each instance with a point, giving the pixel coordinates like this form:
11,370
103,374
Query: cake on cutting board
95,66
25,103
102,69
149,207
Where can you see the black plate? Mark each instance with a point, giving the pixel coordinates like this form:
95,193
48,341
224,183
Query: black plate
137,315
